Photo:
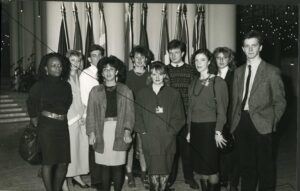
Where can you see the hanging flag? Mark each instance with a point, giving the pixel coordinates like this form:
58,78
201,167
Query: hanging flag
129,36
102,36
63,43
163,55
89,36
143,30
178,24
185,33
196,31
202,38
77,45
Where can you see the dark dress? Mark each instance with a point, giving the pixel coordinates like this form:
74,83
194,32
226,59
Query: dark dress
206,115
159,129
53,95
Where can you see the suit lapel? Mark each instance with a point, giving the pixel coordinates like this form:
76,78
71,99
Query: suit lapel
258,77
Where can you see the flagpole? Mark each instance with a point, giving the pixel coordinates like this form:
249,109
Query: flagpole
184,12
65,25
103,31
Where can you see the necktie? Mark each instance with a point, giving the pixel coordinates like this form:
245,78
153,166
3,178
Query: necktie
247,87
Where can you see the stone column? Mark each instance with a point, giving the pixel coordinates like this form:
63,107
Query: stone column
220,26
115,25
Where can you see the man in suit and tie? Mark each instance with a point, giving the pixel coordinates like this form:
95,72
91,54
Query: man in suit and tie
258,102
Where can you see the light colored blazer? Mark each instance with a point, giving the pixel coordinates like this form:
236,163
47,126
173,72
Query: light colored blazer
97,104
266,99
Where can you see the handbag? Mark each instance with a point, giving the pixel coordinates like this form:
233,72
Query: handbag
225,132
28,145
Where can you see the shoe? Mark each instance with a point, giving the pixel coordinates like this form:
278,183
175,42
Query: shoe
193,184
74,182
223,184
131,181
233,188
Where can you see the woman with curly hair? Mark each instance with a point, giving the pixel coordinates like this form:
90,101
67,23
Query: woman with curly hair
109,122
159,117
208,97
48,103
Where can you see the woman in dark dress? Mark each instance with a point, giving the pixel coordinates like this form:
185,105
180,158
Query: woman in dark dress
208,96
48,103
136,80
159,117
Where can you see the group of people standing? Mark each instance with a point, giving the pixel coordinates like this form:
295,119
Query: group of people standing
92,121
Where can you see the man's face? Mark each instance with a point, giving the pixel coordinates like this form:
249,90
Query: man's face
251,48
109,73
176,55
95,56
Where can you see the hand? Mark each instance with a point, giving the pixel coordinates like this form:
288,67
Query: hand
82,121
220,141
188,137
92,139
127,137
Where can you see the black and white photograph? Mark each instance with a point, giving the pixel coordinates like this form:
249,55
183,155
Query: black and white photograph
136,96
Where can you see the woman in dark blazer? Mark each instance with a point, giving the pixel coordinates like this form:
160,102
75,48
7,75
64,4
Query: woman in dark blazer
225,60
159,117
48,103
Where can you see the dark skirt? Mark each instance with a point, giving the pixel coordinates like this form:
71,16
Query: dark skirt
54,141
204,150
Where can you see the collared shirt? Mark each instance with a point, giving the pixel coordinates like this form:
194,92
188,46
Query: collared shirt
222,72
178,64
254,67
88,79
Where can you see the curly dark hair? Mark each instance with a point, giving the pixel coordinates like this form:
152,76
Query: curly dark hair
64,62
161,67
143,51
114,62
212,67
227,53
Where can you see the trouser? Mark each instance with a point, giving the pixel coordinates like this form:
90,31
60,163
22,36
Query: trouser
255,155
183,150
94,168
111,173
229,168
137,144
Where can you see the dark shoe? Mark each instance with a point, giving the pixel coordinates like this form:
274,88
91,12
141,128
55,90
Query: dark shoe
203,184
213,187
131,181
193,184
74,182
223,184
233,188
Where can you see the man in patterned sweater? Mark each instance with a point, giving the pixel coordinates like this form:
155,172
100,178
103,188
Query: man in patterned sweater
181,75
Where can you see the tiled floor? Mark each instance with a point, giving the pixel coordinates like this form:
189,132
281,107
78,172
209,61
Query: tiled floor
17,175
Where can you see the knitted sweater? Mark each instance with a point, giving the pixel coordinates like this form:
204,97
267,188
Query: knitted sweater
180,79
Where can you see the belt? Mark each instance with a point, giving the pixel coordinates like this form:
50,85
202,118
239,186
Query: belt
110,119
54,115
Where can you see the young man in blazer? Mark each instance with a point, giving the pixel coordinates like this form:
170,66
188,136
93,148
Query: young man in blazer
258,104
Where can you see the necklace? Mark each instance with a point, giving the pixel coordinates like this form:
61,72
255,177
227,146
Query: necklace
204,82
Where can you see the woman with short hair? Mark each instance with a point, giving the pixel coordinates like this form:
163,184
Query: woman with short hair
109,122
48,103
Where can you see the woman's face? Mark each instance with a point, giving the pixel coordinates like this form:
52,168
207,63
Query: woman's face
139,60
75,62
109,73
157,77
201,62
222,60
54,67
